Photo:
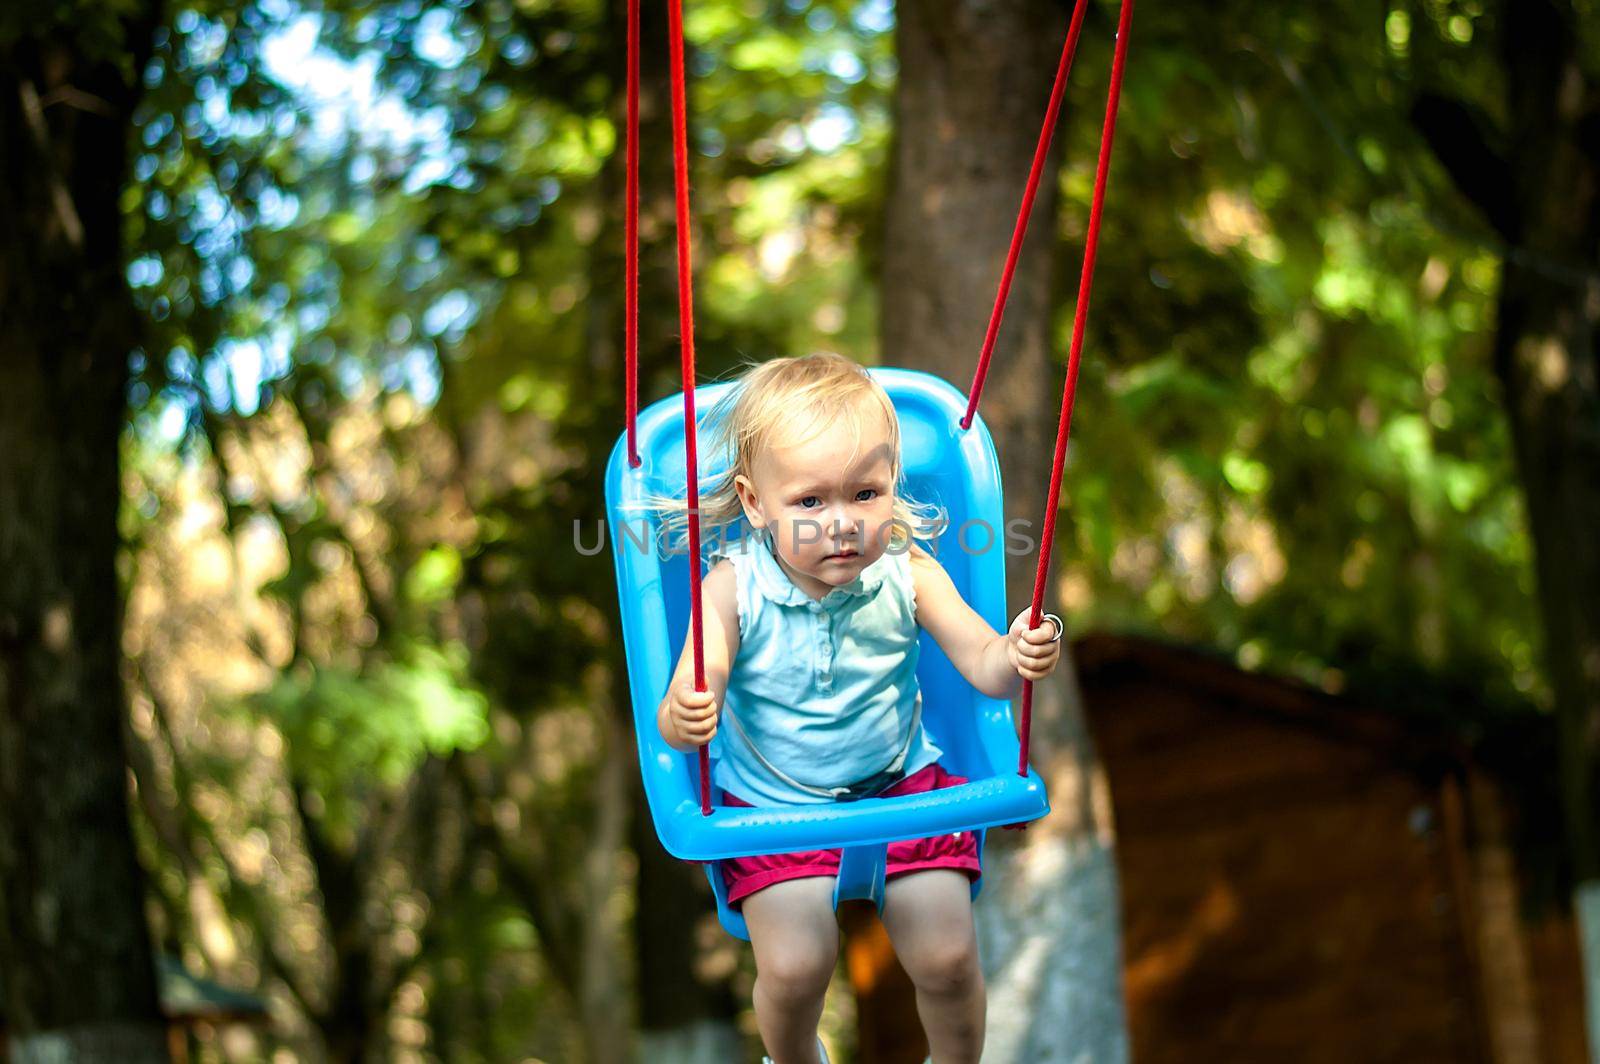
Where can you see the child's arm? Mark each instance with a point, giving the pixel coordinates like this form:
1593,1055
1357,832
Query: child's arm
688,718
993,663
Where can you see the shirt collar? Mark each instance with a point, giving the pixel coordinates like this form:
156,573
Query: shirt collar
777,586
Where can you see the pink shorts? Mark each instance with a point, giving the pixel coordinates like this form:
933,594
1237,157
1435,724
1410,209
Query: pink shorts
746,875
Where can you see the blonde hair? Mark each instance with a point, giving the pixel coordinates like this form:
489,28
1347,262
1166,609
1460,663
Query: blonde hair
792,398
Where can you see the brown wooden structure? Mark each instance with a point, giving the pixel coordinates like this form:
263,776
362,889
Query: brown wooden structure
1304,878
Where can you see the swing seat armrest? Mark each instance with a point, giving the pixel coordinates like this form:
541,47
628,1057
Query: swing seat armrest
733,831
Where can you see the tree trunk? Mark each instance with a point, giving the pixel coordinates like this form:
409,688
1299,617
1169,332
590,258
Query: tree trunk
974,82
1546,358
79,982
1542,195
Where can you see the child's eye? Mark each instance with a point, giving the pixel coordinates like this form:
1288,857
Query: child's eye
809,499
870,493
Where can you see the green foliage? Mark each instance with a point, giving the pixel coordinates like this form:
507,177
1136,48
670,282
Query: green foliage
792,122
1288,440
350,732
435,576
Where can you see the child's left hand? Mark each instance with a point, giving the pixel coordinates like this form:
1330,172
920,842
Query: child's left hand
1034,651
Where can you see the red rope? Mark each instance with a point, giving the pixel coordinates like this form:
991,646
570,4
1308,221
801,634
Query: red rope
680,183
630,238
1026,211
1091,239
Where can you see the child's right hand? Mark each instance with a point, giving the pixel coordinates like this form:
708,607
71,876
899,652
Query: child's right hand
693,713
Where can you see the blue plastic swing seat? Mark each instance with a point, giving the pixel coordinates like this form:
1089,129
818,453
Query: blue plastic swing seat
945,464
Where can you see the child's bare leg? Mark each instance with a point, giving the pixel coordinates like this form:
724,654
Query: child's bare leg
795,936
928,916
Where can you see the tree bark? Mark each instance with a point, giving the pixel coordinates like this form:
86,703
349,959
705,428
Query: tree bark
79,981
974,82
1542,195
1545,357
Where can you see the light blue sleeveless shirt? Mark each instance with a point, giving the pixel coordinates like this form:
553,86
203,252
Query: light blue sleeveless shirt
824,691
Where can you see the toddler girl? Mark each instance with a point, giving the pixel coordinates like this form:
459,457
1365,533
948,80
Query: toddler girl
810,629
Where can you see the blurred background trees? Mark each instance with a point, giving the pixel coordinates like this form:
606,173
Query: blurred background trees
1336,418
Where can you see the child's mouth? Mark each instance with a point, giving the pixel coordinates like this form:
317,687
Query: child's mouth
841,556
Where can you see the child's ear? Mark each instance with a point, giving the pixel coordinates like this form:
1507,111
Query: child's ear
748,500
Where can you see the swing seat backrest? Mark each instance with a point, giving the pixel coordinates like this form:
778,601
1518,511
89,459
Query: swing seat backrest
944,464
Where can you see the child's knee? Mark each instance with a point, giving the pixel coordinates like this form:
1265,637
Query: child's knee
946,969
798,970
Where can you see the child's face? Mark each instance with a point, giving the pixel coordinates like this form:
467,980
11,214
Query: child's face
828,503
